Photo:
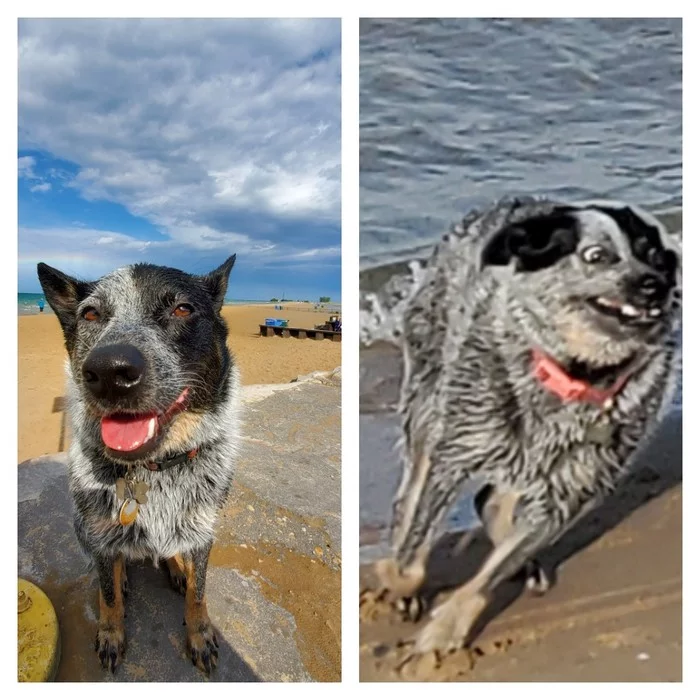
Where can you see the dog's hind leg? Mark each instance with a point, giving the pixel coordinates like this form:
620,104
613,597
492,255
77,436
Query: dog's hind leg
495,509
110,640
176,573
202,643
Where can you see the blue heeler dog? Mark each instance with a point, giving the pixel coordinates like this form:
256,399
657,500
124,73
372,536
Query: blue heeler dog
152,397
540,347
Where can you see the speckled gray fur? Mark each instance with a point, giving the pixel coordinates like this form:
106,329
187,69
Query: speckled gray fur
473,413
134,307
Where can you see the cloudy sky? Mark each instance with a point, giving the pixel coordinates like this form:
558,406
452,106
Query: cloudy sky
180,142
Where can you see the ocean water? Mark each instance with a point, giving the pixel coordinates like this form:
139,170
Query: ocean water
27,303
455,114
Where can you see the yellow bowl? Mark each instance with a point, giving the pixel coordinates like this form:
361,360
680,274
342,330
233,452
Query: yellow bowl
39,641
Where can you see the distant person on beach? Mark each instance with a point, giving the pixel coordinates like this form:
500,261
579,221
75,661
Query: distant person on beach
40,304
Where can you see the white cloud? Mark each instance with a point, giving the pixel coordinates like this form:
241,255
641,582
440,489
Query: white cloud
190,123
25,166
43,187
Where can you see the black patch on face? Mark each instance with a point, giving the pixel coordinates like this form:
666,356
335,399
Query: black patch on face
200,338
536,243
645,242
63,294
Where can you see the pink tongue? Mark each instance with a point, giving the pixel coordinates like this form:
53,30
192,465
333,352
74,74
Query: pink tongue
127,433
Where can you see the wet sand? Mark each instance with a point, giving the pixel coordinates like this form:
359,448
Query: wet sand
41,358
614,614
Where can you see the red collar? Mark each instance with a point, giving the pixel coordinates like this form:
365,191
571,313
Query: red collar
556,380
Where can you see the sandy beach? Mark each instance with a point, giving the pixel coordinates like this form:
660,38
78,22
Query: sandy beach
41,357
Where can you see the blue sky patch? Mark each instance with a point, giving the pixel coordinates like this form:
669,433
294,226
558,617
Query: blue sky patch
180,142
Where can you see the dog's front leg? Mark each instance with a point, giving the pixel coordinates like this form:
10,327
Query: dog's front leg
110,641
453,622
202,643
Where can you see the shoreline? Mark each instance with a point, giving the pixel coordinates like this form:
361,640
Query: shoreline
330,307
41,358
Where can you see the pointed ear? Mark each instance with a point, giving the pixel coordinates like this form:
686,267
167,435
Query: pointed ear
533,244
63,293
217,282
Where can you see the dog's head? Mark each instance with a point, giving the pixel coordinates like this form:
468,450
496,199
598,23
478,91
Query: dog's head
597,282
147,353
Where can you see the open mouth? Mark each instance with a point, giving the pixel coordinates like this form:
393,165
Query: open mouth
130,432
624,312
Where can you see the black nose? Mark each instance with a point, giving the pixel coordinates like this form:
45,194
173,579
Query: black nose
649,286
650,289
113,371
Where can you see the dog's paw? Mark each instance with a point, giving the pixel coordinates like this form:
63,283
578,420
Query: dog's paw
110,645
451,625
444,633
411,608
537,580
203,647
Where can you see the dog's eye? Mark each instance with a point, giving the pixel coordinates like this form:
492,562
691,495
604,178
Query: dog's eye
594,254
183,310
91,314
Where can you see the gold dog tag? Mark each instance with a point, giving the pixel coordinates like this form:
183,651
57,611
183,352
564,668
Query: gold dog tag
139,492
128,512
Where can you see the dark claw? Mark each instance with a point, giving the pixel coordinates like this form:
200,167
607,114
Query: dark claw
193,654
412,608
206,661
113,660
216,640
537,580
178,583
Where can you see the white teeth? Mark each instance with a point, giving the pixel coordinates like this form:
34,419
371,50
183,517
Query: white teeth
629,310
606,302
655,312
151,428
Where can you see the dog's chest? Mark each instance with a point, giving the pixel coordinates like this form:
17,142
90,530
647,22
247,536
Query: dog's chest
573,447
179,514
569,429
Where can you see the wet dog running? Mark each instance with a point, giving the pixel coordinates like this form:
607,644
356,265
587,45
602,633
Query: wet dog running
152,398
540,345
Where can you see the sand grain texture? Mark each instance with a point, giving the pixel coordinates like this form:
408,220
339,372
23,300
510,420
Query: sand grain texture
614,615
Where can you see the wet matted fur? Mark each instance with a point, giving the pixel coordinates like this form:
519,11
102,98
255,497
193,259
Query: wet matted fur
594,287
147,345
